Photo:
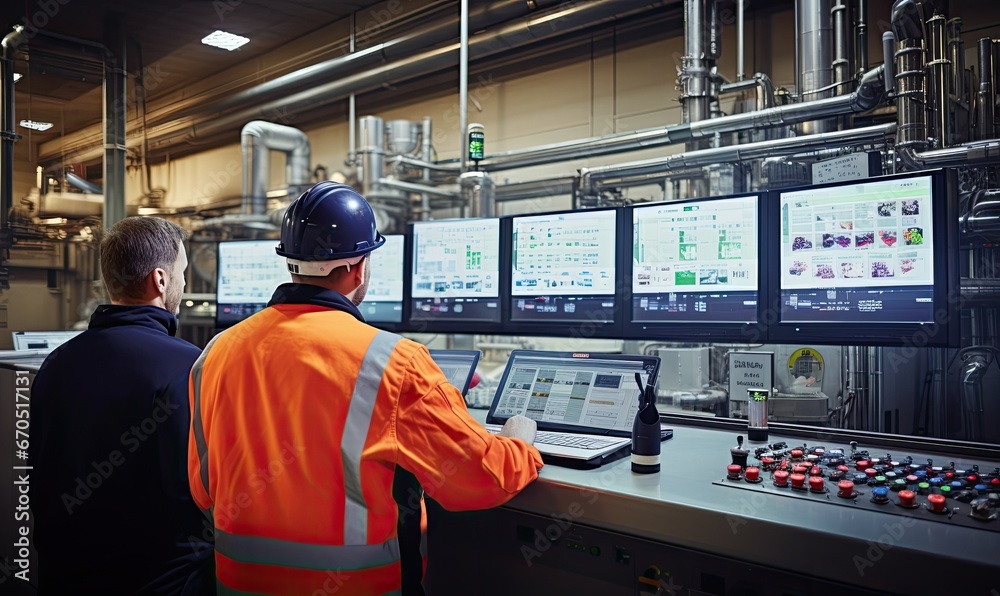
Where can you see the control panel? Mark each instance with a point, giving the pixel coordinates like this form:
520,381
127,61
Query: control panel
943,491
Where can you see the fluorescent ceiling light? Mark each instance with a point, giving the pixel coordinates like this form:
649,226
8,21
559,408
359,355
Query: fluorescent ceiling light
226,41
39,126
17,76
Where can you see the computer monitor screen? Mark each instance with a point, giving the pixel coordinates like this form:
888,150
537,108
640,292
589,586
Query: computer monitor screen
872,261
41,340
458,366
563,267
384,301
247,274
859,253
563,390
456,271
696,261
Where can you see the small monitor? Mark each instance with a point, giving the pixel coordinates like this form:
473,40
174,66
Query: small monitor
455,278
578,391
247,274
384,301
866,261
695,268
45,341
458,366
563,270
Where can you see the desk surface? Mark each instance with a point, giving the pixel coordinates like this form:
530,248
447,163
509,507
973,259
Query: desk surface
32,363
682,506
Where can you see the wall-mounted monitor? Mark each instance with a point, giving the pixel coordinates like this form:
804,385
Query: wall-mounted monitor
455,276
247,273
695,271
383,302
869,262
564,273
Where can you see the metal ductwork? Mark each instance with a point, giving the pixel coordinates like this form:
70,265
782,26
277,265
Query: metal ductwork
258,139
735,153
562,19
869,95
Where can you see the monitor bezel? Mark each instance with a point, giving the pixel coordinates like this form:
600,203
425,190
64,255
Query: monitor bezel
421,325
569,329
698,331
492,418
393,326
945,333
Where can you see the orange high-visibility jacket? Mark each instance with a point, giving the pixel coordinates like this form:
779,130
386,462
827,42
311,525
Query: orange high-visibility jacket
300,415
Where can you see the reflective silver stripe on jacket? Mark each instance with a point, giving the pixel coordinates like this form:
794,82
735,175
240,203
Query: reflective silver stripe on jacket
359,417
198,429
256,550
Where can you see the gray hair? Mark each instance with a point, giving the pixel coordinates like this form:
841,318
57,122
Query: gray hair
132,248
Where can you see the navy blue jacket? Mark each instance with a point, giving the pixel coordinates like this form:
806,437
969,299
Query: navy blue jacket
113,513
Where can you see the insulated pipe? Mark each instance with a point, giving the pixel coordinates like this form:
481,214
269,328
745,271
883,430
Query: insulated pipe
861,33
84,184
694,70
760,82
869,95
939,83
477,188
540,26
956,53
115,105
257,140
889,62
735,153
841,46
372,152
416,188
985,117
910,95
425,154
976,153
740,25
815,55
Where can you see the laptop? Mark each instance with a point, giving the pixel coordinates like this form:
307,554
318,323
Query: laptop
584,403
44,341
458,366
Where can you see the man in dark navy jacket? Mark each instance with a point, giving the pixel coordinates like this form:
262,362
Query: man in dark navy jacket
109,424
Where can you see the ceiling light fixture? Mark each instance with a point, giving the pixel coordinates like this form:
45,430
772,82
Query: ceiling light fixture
17,76
39,126
226,41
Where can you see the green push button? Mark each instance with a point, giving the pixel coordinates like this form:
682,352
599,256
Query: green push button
596,551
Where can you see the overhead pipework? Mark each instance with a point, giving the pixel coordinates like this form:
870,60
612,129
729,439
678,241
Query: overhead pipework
258,139
814,57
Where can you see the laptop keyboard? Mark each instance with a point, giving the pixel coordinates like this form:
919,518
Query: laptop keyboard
565,440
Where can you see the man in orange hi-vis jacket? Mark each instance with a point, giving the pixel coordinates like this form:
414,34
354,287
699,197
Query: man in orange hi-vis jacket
301,414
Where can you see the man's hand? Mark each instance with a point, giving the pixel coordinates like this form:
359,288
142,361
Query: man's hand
520,427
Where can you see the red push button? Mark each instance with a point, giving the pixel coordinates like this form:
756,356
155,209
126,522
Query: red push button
871,472
816,484
995,482
911,479
798,480
767,461
796,453
937,503
906,498
781,478
799,469
733,471
843,468
862,465
845,489
816,471
971,479
752,474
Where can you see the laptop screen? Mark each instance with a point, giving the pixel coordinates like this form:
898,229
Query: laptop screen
458,366
41,340
573,391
